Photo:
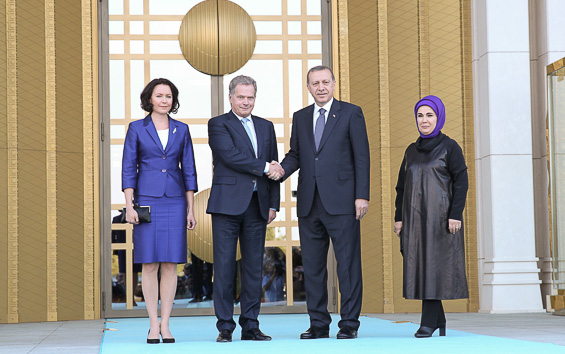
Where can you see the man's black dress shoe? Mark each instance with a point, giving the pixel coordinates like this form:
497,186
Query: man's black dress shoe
315,333
347,332
224,336
254,334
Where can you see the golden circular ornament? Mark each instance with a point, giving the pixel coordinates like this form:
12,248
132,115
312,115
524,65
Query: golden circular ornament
217,37
200,240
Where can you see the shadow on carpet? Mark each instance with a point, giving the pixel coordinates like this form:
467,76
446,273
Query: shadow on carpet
198,335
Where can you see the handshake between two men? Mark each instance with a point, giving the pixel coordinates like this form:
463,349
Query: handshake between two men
276,171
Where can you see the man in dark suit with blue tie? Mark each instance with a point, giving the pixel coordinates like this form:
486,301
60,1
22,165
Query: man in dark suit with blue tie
329,145
243,200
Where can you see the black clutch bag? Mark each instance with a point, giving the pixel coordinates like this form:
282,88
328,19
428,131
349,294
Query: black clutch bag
143,213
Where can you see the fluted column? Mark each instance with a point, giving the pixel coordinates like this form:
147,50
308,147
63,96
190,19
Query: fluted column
509,274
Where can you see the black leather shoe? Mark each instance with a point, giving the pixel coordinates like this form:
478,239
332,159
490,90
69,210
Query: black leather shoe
315,333
254,334
347,332
426,332
167,340
224,336
152,341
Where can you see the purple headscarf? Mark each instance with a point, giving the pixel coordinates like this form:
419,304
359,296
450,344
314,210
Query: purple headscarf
436,104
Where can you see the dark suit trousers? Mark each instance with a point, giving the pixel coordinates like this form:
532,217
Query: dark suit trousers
250,229
316,229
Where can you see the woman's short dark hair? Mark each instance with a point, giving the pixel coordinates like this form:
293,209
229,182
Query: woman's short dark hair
148,91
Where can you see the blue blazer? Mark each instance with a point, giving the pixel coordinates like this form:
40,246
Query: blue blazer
340,169
236,169
153,171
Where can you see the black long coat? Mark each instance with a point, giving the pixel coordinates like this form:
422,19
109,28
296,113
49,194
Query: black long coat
431,189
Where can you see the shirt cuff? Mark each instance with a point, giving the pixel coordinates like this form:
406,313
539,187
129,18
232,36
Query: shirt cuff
266,167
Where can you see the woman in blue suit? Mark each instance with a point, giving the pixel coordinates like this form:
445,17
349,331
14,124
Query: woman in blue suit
158,170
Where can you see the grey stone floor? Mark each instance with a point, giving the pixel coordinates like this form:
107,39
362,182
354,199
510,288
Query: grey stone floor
52,337
85,336
535,327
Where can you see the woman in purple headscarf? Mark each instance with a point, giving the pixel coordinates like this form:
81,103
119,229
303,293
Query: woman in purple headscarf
430,197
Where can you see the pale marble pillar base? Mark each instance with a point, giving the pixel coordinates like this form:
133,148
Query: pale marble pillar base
510,286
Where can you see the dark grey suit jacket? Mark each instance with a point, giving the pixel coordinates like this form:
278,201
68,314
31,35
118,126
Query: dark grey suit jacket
236,168
340,168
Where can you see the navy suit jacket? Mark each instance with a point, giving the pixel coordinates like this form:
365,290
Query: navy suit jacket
236,169
153,171
340,169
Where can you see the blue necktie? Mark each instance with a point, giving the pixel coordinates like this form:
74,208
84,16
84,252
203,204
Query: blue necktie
248,130
319,129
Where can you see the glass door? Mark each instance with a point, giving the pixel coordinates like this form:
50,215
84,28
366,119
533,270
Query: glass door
556,143
142,44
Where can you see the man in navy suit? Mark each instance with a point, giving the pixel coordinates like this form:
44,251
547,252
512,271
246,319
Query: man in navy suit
243,200
329,145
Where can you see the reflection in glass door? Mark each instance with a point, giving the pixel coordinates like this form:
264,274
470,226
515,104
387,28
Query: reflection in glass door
556,144
143,44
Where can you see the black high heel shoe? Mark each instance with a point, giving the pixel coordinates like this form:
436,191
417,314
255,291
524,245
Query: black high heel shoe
426,332
152,341
167,340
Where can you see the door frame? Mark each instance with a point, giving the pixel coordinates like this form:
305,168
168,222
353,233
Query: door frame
105,169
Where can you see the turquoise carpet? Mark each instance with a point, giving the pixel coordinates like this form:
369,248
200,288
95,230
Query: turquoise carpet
198,334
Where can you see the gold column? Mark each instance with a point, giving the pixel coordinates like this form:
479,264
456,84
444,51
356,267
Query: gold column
469,151
12,127
341,48
51,158
362,56
90,211
386,193
49,254
424,46
403,74
340,53
96,296
3,170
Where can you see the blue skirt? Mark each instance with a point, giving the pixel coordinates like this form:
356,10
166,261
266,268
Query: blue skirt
164,238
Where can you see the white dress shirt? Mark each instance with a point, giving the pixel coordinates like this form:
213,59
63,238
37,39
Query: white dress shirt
252,128
317,108
164,137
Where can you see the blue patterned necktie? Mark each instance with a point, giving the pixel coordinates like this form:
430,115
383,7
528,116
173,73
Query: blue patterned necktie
319,129
248,130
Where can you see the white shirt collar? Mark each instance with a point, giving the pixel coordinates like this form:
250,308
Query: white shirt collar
327,107
251,128
240,118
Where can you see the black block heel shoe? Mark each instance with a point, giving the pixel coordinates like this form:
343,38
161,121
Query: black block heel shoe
152,341
426,332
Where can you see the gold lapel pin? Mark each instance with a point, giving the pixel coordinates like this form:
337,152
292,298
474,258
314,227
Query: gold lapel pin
334,115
